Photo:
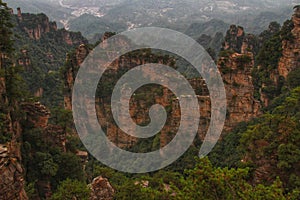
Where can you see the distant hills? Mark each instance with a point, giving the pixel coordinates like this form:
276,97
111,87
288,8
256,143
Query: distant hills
95,16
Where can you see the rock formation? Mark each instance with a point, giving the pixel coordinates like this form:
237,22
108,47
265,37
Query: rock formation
236,71
11,173
291,48
19,14
234,38
287,51
24,60
37,114
267,167
37,26
101,189
73,62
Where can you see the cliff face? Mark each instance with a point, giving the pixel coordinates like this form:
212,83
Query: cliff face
291,48
236,62
236,71
37,117
37,26
37,114
11,171
239,42
73,62
41,51
138,110
279,56
234,38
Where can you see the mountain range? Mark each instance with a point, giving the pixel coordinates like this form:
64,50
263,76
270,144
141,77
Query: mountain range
96,16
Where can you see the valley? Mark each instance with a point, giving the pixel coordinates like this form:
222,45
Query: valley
255,46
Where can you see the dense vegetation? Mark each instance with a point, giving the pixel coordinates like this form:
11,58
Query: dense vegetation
270,142
268,57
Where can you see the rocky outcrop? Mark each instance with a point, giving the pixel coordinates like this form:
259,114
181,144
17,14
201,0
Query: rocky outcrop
238,41
37,117
236,72
24,60
11,173
73,62
101,189
272,73
234,38
236,63
37,26
291,48
37,114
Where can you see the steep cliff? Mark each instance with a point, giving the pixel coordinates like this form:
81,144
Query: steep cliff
236,71
73,61
277,58
291,48
41,49
11,171
37,26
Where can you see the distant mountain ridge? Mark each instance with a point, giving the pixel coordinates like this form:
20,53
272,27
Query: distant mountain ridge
118,15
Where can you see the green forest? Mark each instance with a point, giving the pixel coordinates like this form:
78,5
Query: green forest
257,159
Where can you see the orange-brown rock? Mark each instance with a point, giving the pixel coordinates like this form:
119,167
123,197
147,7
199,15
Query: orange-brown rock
234,38
37,114
40,25
24,60
101,189
37,26
69,76
238,82
236,73
11,173
291,48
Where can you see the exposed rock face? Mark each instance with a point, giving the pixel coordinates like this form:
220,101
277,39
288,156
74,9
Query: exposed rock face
69,76
38,25
37,114
236,66
276,73
24,60
236,69
236,72
291,49
11,173
240,42
101,189
19,14
234,38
